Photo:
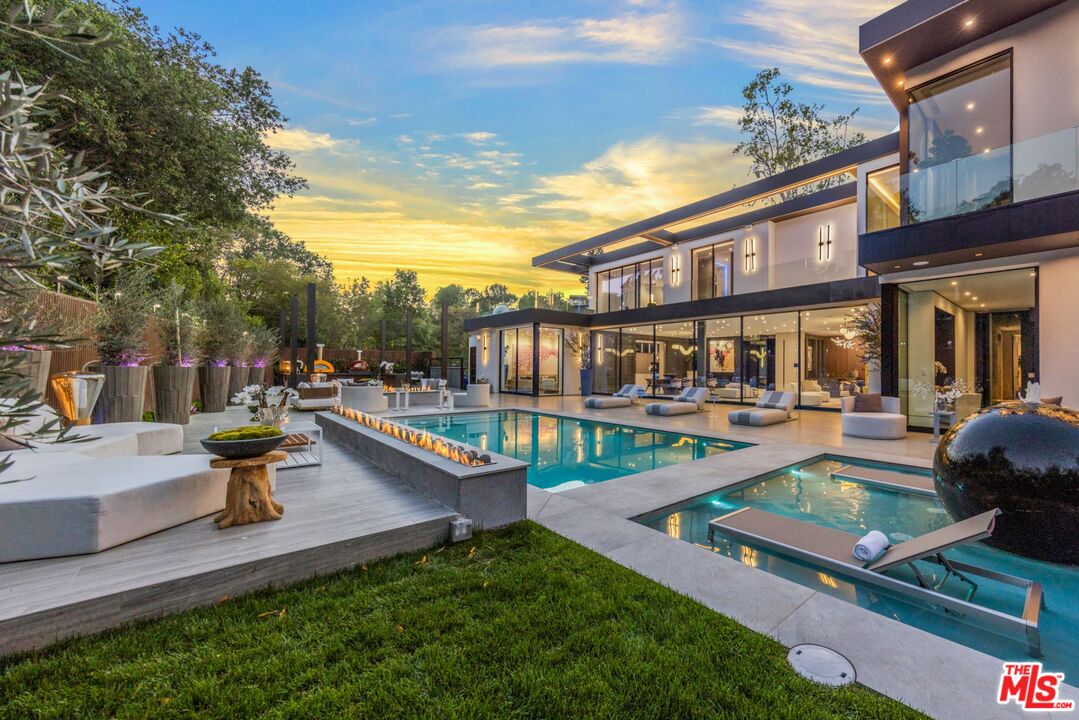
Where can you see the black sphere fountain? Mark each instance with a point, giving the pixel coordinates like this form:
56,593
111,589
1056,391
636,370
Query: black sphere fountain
1021,457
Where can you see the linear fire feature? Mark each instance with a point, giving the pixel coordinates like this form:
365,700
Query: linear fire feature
488,488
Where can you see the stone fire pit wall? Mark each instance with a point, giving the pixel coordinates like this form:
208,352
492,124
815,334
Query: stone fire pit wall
491,495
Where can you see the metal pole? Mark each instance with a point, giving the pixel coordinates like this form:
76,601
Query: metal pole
382,344
408,347
294,339
311,300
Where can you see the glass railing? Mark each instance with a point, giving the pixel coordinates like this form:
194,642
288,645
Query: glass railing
1035,168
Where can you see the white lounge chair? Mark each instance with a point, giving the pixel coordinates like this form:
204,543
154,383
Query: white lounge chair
690,400
65,503
833,550
772,407
625,397
109,440
888,424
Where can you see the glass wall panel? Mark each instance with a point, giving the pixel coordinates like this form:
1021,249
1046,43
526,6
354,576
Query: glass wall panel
832,365
636,357
722,269
630,275
960,142
676,357
509,360
525,367
976,334
702,273
605,361
723,338
550,357
882,199
656,284
770,346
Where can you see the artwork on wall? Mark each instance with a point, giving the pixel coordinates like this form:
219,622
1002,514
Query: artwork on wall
721,353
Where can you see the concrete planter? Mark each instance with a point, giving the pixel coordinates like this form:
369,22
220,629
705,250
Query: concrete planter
256,375
35,366
237,380
478,395
364,398
174,387
214,387
123,398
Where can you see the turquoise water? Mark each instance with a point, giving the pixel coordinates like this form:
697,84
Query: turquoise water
566,453
809,494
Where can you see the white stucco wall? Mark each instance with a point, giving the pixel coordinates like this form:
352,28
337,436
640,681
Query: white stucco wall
1058,328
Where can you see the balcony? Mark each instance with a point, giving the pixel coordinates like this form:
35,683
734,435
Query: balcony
1012,200
1035,168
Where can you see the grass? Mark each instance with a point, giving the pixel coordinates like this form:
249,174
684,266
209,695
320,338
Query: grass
519,623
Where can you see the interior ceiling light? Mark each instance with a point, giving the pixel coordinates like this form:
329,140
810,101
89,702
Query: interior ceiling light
979,130
955,282
896,267
970,106
888,60
920,263
969,22
978,254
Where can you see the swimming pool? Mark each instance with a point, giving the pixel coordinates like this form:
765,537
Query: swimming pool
566,452
809,494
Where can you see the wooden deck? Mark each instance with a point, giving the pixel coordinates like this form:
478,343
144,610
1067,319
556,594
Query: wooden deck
337,515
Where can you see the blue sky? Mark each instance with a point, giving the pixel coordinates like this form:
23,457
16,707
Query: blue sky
461,138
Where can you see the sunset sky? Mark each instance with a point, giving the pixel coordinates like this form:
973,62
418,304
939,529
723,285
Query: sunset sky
461,138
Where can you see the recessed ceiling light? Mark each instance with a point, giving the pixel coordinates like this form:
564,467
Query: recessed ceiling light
920,263
974,298
1033,274
970,106
900,83
967,292
896,267
887,60
982,305
969,22
978,254
979,130
955,282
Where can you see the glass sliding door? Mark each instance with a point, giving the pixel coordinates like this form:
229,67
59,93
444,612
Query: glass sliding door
676,357
509,360
550,358
517,360
770,355
723,339
832,364
605,362
636,357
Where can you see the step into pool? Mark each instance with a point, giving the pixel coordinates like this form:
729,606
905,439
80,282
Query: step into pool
809,493
568,452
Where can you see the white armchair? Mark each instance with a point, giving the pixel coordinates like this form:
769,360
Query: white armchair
888,424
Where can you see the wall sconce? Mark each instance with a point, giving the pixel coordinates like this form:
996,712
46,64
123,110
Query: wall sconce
484,337
750,246
824,243
676,269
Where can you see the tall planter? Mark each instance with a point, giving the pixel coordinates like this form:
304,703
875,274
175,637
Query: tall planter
214,387
174,386
873,379
35,366
586,381
237,380
123,397
256,375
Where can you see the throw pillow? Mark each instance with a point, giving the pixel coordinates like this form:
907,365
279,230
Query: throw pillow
867,403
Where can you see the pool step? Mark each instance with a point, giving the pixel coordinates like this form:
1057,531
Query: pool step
887,479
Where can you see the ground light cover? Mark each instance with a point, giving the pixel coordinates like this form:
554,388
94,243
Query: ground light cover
519,623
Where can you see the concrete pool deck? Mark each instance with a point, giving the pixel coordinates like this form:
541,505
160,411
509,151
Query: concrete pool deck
937,676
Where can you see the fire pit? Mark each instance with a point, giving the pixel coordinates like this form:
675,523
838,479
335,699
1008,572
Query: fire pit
417,438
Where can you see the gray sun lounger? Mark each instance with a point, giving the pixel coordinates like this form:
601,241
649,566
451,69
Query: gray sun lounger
833,549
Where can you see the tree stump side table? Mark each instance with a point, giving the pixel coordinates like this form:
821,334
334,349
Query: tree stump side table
248,498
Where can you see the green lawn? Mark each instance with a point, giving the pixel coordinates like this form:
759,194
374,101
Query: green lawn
519,623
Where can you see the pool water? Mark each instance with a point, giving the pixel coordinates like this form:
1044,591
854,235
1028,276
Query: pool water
565,452
808,493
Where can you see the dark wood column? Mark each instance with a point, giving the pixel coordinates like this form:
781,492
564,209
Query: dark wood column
889,339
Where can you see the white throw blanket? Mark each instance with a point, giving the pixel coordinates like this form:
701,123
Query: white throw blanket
871,546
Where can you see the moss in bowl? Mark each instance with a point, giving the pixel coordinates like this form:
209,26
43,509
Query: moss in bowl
244,442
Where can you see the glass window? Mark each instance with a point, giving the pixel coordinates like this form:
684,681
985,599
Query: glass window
550,358
655,274
832,364
959,146
722,262
675,357
629,287
605,361
882,199
723,338
509,360
712,271
702,273
636,359
770,346
976,334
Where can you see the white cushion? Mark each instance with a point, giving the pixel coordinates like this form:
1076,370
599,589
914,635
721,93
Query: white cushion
607,402
72,505
757,417
671,408
152,438
877,426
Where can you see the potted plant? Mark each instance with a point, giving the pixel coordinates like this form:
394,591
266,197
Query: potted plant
215,344
174,376
238,362
32,309
263,343
863,327
119,329
244,442
580,347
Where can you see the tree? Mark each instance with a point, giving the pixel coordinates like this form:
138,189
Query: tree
395,297
492,296
782,134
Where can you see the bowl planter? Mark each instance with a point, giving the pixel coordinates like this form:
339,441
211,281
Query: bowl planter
214,387
239,449
237,380
123,398
174,387
35,366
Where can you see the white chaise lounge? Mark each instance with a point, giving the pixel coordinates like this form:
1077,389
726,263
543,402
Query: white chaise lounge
772,407
111,439
66,503
690,400
623,398
862,419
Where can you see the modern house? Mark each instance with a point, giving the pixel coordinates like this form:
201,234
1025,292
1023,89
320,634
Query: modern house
963,226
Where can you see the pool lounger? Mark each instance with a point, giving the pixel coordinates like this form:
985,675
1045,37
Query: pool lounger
886,479
832,549
623,398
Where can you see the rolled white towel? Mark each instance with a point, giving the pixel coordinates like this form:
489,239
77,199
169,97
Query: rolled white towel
871,546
